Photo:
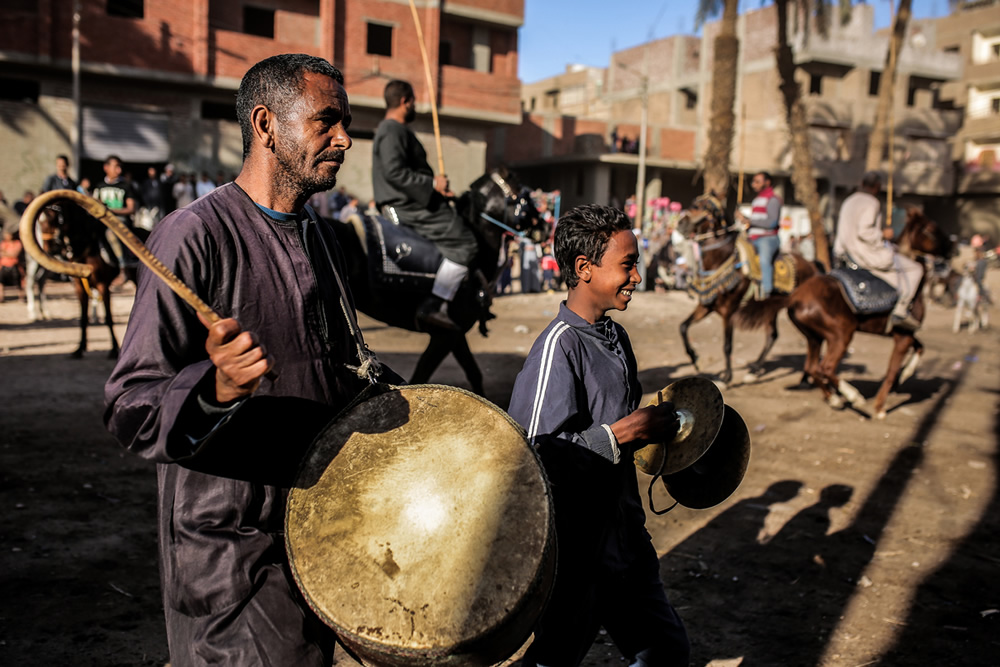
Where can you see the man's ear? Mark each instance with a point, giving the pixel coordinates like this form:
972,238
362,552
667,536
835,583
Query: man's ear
262,123
582,266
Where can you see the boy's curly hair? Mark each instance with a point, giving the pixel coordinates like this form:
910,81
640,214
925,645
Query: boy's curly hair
586,230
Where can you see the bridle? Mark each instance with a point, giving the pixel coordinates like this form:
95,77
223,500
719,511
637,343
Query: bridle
520,203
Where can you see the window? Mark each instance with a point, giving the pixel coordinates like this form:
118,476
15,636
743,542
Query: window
995,105
444,53
874,80
996,51
690,98
815,84
19,90
911,96
379,40
129,9
218,111
258,21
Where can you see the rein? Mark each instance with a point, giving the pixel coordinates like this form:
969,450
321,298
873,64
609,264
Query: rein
715,233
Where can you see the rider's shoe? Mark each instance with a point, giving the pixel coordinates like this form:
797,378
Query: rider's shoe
434,312
905,323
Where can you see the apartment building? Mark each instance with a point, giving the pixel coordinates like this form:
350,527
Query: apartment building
972,32
158,79
839,75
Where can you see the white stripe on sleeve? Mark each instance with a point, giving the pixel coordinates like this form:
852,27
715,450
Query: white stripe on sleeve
544,370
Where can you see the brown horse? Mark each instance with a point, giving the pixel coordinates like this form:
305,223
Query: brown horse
720,285
819,310
83,240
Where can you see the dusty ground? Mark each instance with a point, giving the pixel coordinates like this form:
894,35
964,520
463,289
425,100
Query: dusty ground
851,542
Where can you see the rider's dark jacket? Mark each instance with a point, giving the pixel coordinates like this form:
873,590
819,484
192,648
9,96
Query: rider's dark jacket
402,179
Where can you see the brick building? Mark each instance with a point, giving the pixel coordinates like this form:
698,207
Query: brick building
839,75
158,79
973,32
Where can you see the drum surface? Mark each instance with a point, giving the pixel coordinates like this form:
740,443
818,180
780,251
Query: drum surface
420,529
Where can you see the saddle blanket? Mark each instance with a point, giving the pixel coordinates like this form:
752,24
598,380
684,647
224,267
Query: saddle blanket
866,294
784,266
398,256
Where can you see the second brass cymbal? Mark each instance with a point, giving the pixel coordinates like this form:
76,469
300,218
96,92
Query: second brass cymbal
700,410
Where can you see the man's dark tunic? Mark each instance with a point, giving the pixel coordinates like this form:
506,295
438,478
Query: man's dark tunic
401,178
227,592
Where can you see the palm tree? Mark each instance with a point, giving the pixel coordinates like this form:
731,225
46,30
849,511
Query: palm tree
724,65
798,125
887,84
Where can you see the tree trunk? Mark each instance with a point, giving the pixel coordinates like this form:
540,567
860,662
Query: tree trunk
722,125
798,127
886,87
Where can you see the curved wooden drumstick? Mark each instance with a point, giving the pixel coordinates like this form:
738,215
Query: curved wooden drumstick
101,212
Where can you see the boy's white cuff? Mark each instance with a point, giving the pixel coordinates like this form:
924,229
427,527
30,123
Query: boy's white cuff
614,444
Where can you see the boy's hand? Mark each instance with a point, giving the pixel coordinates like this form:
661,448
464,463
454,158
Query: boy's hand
239,358
655,423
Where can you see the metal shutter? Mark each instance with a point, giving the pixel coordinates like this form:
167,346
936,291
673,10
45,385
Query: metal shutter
134,136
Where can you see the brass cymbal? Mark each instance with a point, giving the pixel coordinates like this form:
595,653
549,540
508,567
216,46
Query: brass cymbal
700,410
716,475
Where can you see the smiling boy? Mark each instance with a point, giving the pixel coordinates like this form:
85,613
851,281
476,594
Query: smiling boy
578,396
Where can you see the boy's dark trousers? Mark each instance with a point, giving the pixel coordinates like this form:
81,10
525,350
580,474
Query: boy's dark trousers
630,604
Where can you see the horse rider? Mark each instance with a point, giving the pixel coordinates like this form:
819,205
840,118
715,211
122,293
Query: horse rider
763,228
864,240
408,193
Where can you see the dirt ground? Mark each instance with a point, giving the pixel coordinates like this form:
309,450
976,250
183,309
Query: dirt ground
852,541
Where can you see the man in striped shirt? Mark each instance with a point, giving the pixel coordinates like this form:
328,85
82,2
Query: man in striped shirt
578,398
763,230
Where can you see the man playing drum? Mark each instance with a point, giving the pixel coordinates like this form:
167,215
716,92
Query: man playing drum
227,413
577,396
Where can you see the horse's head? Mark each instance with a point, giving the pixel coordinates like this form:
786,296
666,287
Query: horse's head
923,236
50,231
705,216
499,197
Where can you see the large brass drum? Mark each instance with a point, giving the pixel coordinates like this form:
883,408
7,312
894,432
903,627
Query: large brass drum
421,530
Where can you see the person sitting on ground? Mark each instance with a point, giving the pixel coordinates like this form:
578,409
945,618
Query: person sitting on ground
409,193
578,398
863,239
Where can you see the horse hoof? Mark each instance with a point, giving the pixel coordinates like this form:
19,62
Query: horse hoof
835,401
78,354
880,414
750,378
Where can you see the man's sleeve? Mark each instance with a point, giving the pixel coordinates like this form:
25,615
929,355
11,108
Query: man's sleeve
163,361
773,213
870,228
392,155
545,398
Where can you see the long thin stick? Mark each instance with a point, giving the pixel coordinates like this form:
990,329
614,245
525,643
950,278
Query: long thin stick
743,141
430,88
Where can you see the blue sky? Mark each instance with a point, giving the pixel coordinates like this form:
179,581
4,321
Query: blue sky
557,33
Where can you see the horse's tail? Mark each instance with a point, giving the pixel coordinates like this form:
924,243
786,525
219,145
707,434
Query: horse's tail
755,314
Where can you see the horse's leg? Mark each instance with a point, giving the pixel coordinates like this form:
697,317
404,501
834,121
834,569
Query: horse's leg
901,343
30,282
699,313
468,363
727,348
104,289
437,349
83,297
836,347
756,368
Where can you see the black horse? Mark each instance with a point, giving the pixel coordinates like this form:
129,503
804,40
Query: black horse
496,205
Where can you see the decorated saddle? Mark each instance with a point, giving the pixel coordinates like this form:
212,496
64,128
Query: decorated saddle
784,266
398,256
865,293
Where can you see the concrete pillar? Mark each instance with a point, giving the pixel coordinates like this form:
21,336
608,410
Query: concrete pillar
600,188
199,21
327,21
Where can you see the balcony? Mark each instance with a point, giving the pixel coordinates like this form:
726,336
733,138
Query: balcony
480,95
